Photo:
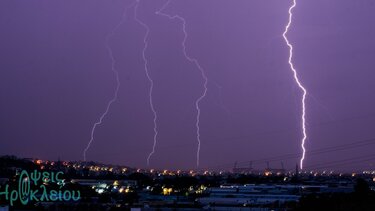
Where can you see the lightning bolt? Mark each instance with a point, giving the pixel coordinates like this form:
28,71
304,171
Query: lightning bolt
296,78
196,63
145,61
116,73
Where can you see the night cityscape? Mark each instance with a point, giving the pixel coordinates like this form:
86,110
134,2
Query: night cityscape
148,105
113,187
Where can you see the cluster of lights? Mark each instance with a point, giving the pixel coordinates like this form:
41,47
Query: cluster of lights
102,187
167,191
124,190
369,172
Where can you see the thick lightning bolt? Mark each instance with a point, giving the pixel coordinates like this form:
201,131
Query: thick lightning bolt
296,78
115,72
196,63
145,62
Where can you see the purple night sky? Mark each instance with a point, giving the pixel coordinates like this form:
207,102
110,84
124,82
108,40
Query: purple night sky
56,80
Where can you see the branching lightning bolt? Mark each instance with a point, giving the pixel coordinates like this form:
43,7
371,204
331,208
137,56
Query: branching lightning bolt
296,78
145,61
116,73
196,63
